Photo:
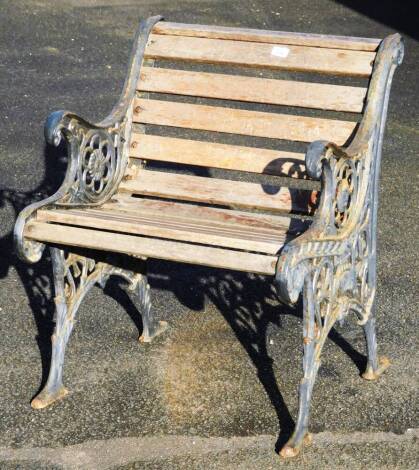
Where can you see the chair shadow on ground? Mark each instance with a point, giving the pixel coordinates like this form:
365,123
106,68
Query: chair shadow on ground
247,302
250,305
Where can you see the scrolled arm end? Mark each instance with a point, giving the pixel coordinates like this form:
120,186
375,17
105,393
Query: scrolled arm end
53,128
65,123
317,152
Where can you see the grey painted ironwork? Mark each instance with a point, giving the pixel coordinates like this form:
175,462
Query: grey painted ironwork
74,275
98,153
334,262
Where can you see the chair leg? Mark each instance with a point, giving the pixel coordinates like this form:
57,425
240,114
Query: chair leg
139,292
54,389
311,363
73,277
376,365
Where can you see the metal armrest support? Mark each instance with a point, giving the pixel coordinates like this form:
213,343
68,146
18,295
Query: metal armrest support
338,251
97,152
333,262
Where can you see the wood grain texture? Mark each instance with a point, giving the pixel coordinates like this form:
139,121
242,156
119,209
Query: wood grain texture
251,89
121,203
296,58
159,225
273,37
240,121
215,155
151,247
218,191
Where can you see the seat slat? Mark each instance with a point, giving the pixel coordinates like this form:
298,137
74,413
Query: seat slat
240,121
273,37
154,225
217,191
151,247
251,89
215,155
264,223
260,55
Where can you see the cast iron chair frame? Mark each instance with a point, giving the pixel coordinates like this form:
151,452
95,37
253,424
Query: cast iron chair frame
333,264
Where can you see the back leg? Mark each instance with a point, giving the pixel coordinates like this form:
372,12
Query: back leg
376,365
139,292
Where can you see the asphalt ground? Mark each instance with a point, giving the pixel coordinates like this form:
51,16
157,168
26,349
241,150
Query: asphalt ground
219,389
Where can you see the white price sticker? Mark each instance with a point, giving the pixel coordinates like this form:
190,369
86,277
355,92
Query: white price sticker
280,51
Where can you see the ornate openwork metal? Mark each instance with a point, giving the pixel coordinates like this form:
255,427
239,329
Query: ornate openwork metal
74,276
97,153
334,262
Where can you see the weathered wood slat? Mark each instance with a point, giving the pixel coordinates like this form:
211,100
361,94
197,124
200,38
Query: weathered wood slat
209,154
240,121
189,230
217,191
251,89
273,37
271,56
151,247
264,223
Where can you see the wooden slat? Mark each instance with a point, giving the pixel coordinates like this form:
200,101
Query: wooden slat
273,37
297,58
240,121
251,89
121,203
151,247
217,191
188,230
209,154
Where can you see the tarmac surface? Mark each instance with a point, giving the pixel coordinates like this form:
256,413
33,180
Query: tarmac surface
219,390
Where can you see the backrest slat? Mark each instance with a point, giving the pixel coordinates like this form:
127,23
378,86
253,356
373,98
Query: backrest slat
218,191
272,37
240,121
215,155
225,99
290,57
252,89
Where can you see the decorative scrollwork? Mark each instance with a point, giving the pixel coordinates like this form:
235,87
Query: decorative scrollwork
99,161
77,270
346,176
335,252
323,288
98,164
79,274
97,152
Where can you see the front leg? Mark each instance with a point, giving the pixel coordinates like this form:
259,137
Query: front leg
311,363
74,275
320,312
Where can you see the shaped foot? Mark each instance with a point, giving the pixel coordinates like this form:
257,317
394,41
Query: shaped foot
45,398
370,374
161,327
291,450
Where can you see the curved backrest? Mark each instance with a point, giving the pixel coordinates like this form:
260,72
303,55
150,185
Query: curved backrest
210,83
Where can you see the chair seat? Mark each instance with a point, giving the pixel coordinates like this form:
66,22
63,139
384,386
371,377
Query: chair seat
171,230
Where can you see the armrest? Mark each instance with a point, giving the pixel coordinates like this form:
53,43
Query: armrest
97,152
341,239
